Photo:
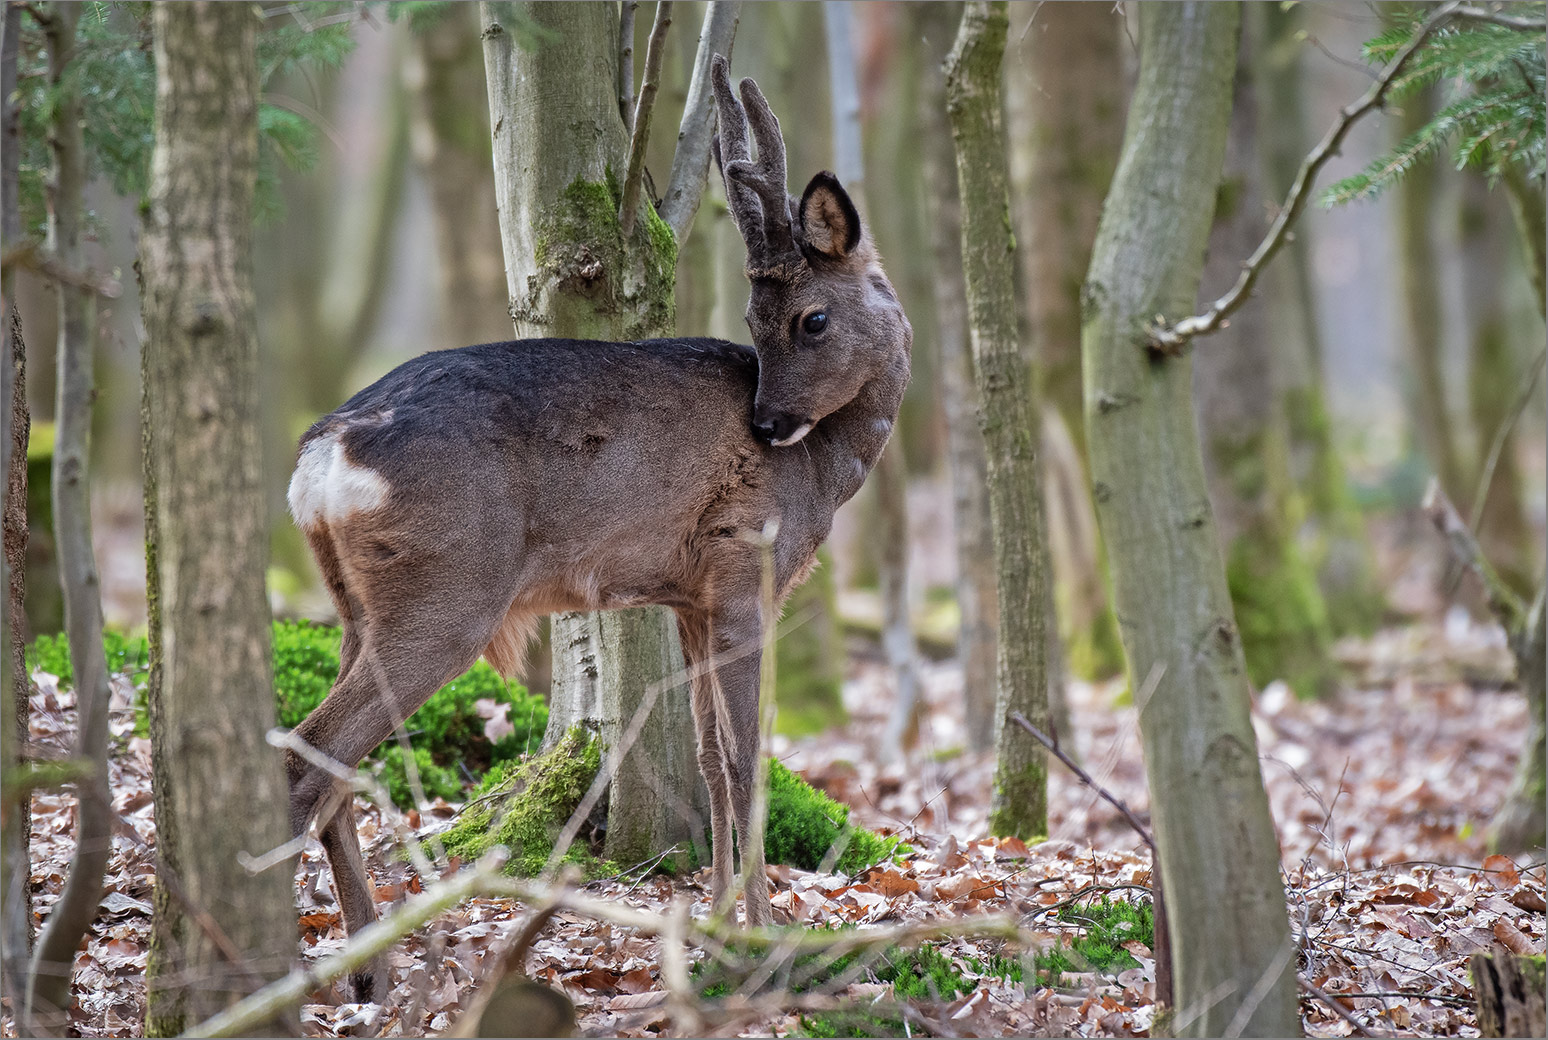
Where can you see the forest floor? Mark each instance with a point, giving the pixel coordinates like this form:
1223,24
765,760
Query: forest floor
1381,795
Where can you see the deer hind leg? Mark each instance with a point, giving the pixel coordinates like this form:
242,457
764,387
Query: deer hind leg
736,635
693,633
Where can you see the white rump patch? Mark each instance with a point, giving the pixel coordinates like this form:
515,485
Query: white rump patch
800,431
327,486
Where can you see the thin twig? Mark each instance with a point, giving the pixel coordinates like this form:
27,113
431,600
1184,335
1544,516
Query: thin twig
1171,338
690,163
1486,479
644,107
1503,601
1338,1009
1085,778
1479,14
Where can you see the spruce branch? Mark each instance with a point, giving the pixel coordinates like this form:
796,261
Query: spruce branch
644,107
1170,339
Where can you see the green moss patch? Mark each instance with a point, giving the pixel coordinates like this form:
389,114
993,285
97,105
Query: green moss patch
804,824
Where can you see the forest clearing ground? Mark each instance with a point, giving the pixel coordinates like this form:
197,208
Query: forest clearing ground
1381,795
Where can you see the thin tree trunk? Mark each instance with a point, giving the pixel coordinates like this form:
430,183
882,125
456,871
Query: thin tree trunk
1219,858
212,697
559,145
449,135
1246,435
1495,377
1064,103
53,961
1526,202
1341,551
889,535
15,835
977,599
1009,415
1429,411
1518,827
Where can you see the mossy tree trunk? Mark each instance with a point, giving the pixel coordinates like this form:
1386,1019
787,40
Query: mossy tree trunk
977,598
1064,103
1008,415
15,832
1494,382
1341,549
219,787
1231,953
449,138
53,961
1246,433
1429,417
1518,826
559,151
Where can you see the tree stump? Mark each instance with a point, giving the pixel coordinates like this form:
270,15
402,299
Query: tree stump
1509,992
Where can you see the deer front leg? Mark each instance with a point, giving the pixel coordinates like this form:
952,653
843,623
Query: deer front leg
737,638
693,633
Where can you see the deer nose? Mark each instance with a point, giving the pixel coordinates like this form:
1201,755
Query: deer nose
782,429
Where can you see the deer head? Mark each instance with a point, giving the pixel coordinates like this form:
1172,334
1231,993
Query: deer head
825,320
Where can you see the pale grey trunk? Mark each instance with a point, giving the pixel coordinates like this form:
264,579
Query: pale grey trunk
1008,417
1246,437
53,960
1219,857
212,697
977,599
890,534
559,145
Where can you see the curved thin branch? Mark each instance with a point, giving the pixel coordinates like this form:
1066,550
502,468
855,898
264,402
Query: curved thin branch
1170,339
644,107
1506,606
1486,479
690,164
1479,14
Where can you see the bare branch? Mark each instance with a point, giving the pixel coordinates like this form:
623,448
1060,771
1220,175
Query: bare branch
1085,778
1503,601
690,164
1479,14
1332,1002
626,62
1486,479
644,107
33,257
1170,339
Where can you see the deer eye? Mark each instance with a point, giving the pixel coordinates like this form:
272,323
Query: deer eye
815,322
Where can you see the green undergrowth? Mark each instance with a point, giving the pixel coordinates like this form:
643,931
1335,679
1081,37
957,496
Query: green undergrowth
524,806
928,973
446,736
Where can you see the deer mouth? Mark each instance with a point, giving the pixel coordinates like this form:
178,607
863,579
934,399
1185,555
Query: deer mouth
793,436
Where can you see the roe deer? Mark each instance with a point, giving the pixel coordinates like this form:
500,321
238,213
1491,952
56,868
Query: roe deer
470,491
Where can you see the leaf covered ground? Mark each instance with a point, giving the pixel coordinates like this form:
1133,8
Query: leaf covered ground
1381,795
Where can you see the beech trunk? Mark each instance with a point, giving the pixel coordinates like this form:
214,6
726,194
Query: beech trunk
1234,966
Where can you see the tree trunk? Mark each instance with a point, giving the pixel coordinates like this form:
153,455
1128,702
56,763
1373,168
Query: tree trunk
53,962
1008,417
1519,825
1065,101
1508,989
1219,858
1341,552
977,599
1429,412
1278,605
559,149
16,807
1495,378
212,697
449,135
1526,202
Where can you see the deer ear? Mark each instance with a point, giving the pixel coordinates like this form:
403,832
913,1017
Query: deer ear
830,224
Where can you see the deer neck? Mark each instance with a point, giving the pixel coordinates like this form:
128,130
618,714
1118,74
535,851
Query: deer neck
851,439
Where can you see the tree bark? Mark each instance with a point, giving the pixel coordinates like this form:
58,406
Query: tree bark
53,961
15,832
977,599
211,695
1526,202
1518,826
1341,551
1064,104
1430,416
1009,415
449,137
1246,434
559,151
1508,989
1494,384
1219,858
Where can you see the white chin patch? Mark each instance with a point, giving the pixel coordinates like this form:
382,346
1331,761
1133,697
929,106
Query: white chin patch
801,431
